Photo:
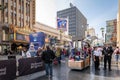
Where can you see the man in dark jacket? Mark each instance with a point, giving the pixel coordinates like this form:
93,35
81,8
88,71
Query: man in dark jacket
107,52
48,56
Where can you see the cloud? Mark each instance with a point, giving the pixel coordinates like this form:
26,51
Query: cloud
46,12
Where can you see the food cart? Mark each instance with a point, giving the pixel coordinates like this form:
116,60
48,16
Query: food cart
81,64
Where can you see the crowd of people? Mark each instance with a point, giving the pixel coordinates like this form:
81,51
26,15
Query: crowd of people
77,54
105,54
48,54
55,55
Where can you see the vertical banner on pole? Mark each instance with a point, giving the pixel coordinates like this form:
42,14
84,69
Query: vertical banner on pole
62,24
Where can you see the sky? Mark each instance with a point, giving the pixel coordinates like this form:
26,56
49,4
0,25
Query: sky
97,12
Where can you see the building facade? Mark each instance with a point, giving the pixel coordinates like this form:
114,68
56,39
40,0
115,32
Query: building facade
77,23
52,34
16,20
18,12
111,32
118,25
90,32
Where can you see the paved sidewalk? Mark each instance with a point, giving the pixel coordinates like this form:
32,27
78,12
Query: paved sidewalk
31,76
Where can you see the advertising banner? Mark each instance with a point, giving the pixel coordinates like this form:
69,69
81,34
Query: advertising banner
38,39
8,69
30,65
62,24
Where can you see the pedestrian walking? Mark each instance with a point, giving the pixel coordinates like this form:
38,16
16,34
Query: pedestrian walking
58,55
116,53
107,52
97,56
48,57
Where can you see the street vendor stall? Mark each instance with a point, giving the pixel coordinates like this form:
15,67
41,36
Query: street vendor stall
81,64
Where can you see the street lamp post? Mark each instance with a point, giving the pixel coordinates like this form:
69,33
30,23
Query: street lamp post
102,29
61,36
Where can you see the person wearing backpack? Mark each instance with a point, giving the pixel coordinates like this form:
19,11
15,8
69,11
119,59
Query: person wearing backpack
48,57
116,53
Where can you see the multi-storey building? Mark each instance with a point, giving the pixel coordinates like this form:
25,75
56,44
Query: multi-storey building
111,32
52,34
16,20
118,26
90,32
18,12
77,22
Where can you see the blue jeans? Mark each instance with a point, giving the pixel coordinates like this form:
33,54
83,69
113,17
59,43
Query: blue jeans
62,57
48,69
117,57
58,59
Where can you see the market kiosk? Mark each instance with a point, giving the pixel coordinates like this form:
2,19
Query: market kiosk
81,64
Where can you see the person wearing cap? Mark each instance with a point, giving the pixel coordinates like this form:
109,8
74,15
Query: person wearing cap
32,50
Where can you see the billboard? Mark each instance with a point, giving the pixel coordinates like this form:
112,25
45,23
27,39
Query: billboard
62,24
38,39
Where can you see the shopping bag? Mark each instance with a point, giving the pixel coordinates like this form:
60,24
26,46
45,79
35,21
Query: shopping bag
55,62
